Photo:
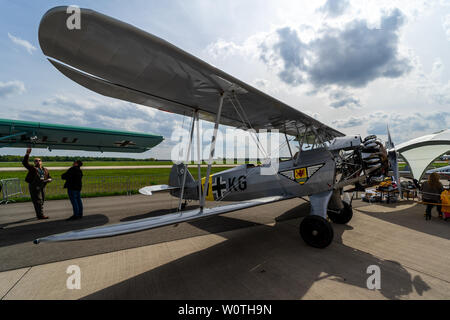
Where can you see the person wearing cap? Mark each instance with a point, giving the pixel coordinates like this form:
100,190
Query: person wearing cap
37,178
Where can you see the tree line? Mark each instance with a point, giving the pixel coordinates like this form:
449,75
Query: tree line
9,158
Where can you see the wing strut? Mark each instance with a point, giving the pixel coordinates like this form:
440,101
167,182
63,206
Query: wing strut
213,149
187,160
300,144
287,141
199,159
247,123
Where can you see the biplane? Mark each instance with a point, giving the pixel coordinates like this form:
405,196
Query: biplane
118,60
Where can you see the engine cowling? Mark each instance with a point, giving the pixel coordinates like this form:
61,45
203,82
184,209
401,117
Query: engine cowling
363,164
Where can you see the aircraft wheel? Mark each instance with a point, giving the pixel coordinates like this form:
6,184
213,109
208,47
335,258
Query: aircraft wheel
316,231
344,215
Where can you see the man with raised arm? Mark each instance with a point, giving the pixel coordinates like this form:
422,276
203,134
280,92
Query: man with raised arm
37,178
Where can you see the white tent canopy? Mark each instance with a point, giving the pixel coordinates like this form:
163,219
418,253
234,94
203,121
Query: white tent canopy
419,153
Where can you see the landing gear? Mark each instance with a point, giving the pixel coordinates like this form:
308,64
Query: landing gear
316,231
342,216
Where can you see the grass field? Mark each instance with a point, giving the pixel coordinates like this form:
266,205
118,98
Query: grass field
103,182
97,163
90,163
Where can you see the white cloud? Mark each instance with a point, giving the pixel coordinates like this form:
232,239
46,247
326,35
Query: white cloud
437,69
22,43
350,122
446,26
427,86
335,8
222,48
103,112
403,127
341,99
352,56
11,88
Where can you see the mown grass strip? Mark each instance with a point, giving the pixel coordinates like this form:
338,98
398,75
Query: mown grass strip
97,183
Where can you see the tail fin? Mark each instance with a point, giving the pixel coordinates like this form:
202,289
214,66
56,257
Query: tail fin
175,183
176,180
177,173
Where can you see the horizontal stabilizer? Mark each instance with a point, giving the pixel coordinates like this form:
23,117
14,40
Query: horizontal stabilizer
148,191
154,222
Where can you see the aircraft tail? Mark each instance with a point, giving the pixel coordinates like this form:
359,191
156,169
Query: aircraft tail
175,183
176,176
176,180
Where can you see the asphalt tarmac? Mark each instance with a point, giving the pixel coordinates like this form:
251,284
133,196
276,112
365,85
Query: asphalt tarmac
254,253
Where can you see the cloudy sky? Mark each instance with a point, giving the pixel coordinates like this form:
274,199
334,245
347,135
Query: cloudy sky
354,65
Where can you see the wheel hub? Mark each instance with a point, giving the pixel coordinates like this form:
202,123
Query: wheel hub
316,231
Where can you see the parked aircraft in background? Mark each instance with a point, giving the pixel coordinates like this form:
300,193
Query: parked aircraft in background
24,134
444,172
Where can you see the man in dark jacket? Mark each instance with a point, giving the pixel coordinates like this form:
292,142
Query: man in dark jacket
37,178
73,178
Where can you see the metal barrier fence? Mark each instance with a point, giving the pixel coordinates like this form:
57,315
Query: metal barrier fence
10,188
93,185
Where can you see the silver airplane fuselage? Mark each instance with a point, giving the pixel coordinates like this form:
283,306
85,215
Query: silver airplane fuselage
313,173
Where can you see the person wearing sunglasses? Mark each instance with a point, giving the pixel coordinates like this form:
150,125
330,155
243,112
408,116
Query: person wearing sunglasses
37,178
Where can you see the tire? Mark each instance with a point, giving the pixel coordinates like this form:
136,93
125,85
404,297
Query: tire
344,215
316,231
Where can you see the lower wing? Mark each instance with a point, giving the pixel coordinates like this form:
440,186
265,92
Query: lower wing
155,222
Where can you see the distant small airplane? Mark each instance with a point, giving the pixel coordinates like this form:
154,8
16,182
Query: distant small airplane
443,171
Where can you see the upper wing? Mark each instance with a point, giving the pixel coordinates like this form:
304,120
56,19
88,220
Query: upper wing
23,134
121,61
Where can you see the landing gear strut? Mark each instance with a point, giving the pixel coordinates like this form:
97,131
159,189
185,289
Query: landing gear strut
316,231
341,216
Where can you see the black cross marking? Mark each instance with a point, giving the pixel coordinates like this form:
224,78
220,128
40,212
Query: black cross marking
124,143
218,186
